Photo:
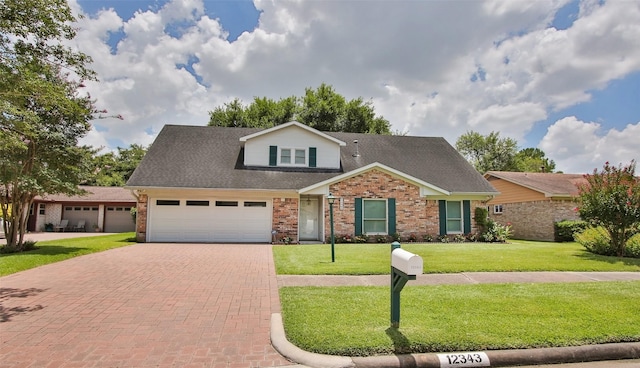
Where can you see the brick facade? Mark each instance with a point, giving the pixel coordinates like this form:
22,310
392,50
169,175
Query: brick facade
414,214
141,218
534,220
285,217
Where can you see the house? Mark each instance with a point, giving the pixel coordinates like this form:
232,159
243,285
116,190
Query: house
219,184
533,202
105,209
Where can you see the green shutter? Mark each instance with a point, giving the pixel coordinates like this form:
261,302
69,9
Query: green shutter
466,216
442,214
391,218
273,155
312,157
358,221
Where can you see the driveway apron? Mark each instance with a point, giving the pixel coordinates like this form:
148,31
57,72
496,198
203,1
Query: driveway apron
145,305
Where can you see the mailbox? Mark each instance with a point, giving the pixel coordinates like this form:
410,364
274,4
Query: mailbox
407,262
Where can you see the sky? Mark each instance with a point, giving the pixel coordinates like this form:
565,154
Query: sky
559,75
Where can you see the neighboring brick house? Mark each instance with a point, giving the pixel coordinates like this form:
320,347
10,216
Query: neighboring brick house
105,209
218,184
533,202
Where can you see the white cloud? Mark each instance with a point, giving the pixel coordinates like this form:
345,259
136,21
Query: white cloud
580,147
437,68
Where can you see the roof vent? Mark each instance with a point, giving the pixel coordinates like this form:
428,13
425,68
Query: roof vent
357,154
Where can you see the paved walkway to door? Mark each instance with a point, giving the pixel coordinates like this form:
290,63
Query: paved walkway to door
145,305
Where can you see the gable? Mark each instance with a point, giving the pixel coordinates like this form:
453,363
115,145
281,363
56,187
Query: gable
513,193
292,146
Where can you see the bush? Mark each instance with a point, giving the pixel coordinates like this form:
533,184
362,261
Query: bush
565,230
27,245
633,247
596,240
481,217
496,232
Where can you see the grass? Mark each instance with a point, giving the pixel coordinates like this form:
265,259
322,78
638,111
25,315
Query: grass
354,321
57,250
374,259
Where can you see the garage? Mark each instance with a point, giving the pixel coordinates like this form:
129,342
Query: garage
118,219
75,214
209,220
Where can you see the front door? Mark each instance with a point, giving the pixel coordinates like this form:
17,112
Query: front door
309,210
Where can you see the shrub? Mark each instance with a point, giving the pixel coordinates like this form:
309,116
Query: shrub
428,238
633,247
459,238
496,232
596,240
565,230
481,216
27,245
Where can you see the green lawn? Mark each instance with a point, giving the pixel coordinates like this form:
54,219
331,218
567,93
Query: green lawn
374,259
354,321
57,250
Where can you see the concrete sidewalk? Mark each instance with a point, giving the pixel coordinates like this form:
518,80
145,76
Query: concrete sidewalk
458,278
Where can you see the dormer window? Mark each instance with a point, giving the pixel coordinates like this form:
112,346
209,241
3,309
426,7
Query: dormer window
285,156
293,156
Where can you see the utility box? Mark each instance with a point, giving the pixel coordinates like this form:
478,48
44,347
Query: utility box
406,262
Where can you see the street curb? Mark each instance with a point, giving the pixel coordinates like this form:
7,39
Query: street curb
497,358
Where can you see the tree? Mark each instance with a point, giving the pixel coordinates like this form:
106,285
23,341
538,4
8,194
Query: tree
114,169
42,113
611,199
534,160
322,109
488,153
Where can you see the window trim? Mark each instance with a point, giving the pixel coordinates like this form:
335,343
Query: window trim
293,157
386,216
461,218
498,209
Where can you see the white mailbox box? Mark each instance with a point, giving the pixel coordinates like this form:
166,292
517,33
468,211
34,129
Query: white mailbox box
407,262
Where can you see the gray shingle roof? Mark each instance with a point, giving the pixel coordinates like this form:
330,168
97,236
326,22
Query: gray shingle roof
94,194
212,157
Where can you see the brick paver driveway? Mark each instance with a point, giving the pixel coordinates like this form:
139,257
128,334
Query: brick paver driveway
146,305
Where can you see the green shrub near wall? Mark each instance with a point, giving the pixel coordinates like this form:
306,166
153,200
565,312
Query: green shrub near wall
566,230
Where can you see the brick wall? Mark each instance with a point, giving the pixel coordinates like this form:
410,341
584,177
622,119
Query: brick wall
534,220
414,215
141,218
285,217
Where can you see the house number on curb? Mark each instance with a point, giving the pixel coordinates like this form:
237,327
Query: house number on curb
468,359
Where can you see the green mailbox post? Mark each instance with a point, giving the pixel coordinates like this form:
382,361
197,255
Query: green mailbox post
405,266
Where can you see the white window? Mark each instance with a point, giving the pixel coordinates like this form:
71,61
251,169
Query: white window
497,209
374,216
285,156
454,217
300,157
293,156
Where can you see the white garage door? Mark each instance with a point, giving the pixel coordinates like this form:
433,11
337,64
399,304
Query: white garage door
211,220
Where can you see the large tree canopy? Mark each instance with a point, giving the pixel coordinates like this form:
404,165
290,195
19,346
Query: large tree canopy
492,153
113,169
611,199
42,113
322,109
487,153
